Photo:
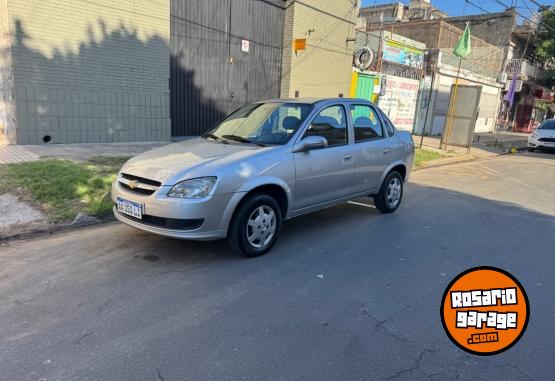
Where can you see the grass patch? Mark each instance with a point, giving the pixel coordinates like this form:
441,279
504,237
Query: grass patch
63,188
422,156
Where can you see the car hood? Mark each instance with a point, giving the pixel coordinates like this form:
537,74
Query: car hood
545,133
162,163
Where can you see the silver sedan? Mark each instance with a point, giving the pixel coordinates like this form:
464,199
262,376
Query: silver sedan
266,162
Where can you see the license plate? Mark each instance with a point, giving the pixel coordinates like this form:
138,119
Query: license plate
130,208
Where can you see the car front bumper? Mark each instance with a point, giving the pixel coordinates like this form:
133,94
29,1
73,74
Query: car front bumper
536,143
196,219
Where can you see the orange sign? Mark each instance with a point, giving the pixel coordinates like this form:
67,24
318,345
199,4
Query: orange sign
299,44
485,310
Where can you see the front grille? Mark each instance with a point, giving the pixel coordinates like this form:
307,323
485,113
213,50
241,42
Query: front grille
141,179
137,189
167,223
552,140
138,184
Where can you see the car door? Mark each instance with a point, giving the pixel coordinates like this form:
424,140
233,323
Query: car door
371,148
325,174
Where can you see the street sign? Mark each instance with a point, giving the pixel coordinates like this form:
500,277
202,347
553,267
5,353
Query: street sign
245,44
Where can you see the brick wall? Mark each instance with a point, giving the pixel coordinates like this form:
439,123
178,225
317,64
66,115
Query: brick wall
324,68
90,71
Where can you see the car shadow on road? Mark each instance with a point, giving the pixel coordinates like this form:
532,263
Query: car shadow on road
543,154
162,250
421,203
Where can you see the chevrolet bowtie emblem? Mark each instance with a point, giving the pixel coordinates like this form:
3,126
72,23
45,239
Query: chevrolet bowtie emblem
133,184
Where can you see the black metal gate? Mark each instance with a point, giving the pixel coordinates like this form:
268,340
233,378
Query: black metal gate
224,54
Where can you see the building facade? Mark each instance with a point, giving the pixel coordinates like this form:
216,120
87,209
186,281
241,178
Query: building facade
532,96
481,69
223,56
84,72
393,80
148,71
399,12
322,68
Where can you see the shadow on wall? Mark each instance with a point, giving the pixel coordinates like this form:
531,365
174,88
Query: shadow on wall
112,89
187,105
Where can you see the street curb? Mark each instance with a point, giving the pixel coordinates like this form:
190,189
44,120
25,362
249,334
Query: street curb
52,230
442,164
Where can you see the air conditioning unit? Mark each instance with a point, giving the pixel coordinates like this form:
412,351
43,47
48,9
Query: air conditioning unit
502,77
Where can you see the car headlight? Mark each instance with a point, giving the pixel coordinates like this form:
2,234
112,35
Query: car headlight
193,188
534,135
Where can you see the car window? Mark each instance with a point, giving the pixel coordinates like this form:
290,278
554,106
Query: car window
388,125
262,123
548,125
366,124
331,124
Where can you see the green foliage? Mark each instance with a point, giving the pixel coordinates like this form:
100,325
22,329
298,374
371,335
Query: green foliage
545,42
63,188
550,73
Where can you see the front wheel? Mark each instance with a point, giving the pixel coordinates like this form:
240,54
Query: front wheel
389,197
255,225
530,149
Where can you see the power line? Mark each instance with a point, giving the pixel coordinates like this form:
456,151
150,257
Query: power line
477,6
526,18
536,3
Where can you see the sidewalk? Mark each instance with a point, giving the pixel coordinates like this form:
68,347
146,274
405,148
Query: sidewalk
75,152
483,146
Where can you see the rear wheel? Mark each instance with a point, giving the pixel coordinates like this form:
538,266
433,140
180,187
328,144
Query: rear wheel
255,225
389,197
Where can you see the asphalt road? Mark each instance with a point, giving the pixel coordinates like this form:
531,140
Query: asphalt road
346,294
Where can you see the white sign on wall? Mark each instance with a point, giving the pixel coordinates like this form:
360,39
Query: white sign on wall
245,46
398,100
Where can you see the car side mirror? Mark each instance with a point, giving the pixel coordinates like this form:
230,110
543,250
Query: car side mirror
310,143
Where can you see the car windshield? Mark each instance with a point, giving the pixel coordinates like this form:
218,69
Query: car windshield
548,125
261,123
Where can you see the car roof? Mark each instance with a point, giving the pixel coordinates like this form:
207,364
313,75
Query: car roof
315,100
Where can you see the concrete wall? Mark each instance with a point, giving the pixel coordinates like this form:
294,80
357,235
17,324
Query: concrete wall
7,104
90,71
324,68
495,28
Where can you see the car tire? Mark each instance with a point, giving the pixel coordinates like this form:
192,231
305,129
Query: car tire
255,216
388,199
530,149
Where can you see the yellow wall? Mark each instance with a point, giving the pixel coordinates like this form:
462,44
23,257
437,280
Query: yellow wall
90,71
324,69
64,25
7,127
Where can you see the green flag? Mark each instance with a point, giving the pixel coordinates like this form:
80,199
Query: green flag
462,49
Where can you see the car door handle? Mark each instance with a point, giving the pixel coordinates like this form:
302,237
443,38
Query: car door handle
348,157
386,151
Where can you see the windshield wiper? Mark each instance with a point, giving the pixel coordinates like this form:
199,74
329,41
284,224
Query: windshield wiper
241,139
212,136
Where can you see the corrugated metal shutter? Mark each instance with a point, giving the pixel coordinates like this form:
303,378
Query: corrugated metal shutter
204,86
